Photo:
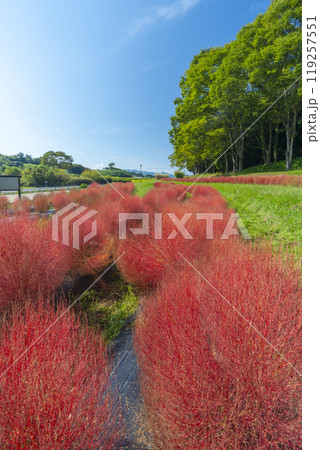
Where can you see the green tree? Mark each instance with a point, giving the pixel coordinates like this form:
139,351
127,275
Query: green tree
274,64
195,146
34,176
13,171
77,169
93,175
227,89
57,159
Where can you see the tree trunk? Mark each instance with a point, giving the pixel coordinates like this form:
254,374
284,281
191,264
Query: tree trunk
226,161
290,134
263,142
240,148
239,145
234,162
275,147
240,155
269,147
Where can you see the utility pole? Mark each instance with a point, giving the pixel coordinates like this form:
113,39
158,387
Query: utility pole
140,172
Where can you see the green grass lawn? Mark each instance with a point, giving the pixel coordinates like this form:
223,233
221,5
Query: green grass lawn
142,187
272,213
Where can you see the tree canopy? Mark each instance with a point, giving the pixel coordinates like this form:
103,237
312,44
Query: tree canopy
227,89
57,159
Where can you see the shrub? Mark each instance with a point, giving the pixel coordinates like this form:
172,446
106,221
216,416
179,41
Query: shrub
77,181
40,202
83,186
4,204
154,256
26,204
94,255
179,174
57,395
283,180
16,205
160,176
158,184
22,206
159,198
208,379
60,200
114,205
30,261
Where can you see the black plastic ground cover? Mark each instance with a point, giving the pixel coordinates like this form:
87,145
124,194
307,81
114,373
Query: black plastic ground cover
125,384
124,374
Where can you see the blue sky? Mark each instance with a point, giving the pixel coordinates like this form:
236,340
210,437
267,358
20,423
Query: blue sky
104,73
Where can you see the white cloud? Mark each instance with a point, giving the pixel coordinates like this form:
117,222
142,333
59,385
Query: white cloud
100,165
160,170
177,9
161,14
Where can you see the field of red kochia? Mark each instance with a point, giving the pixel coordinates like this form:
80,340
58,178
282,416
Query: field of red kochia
218,339
58,394
281,180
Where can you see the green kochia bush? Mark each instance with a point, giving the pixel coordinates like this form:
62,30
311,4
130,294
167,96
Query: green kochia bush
160,176
179,174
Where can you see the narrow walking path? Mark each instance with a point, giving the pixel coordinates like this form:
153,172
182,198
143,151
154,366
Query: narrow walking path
124,379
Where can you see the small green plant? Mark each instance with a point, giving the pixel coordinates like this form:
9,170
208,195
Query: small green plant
119,312
179,174
110,316
83,186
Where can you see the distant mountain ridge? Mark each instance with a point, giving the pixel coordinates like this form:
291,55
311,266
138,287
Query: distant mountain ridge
170,175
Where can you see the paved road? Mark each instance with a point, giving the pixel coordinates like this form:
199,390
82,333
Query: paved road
30,195
30,192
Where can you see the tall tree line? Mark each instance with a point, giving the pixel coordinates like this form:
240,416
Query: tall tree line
226,89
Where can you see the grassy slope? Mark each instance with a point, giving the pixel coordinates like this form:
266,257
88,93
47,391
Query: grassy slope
269,212
141,188
272,212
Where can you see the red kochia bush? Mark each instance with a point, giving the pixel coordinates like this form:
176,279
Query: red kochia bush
209,379
57,395
148,257
96,254
60,200
21,206
283,180
40,202
30,261
159,198
4,204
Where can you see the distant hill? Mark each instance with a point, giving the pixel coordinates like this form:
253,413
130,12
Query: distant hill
148,172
